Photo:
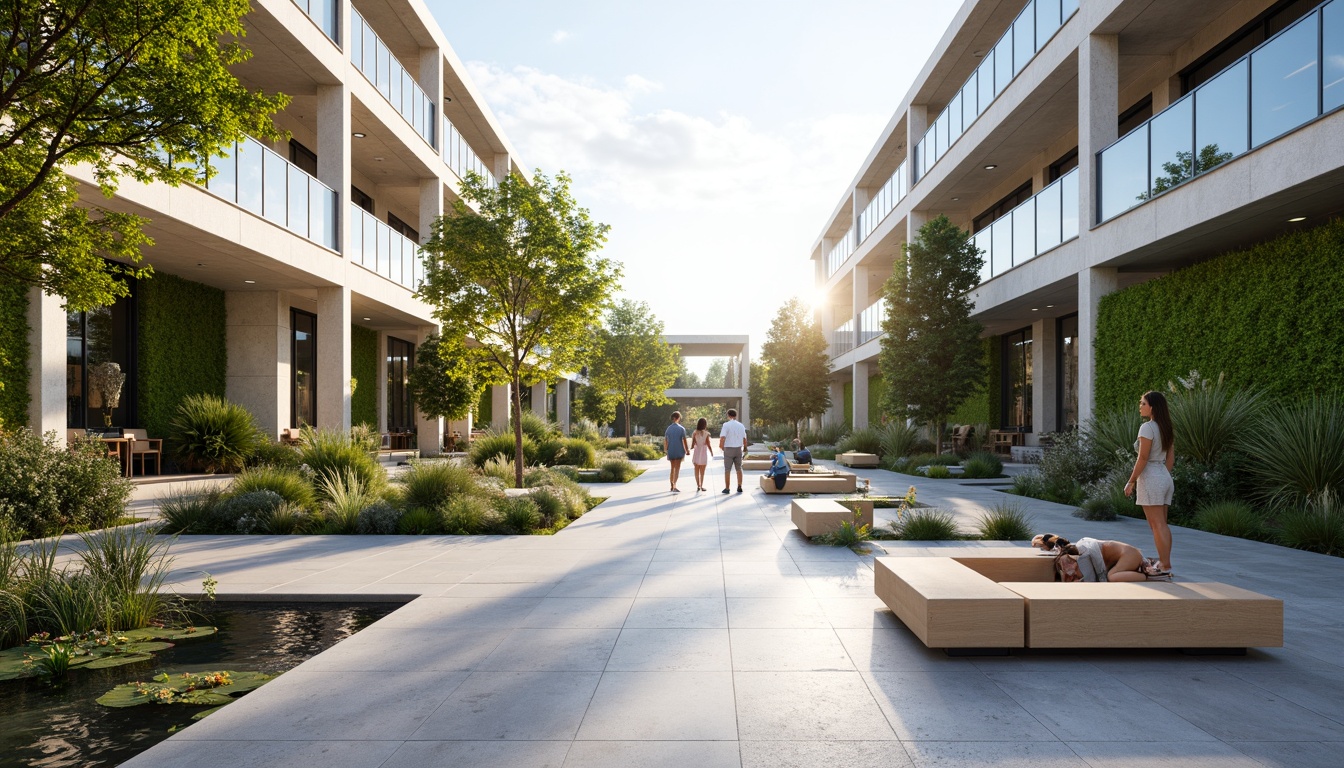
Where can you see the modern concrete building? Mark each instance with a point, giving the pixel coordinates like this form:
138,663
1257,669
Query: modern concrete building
737,350
286,283
1087,147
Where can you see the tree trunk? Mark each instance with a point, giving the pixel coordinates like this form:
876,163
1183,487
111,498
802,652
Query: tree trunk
629,429
518,459
938,435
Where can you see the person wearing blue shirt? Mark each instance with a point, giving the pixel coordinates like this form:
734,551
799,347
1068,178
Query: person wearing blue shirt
779,469
675,438
801,455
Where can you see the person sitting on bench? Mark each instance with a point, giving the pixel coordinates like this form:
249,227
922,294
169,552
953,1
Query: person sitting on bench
800,453
1102,559
779,468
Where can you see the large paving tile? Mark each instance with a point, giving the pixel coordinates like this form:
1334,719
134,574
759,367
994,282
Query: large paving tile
579,612
823,754
892,648
598,585
661,706
1156,754
434,650
177,752
678,612
952,705
776,613
649,650
514,706
1297,677
574,650
859,612
807,706
975,754
1293,754
702,585
788,649
757,585
480,754
653,754
461,613
508,589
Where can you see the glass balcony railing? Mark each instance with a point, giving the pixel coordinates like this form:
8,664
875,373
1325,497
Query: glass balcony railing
840,252
459,156
260,180
870,321
378,248
323,14
372,57
1276,88
842,338
891,193
1032,228
1028,33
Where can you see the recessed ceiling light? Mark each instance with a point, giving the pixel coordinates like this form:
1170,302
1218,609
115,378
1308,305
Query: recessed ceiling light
378,159
357,135
955,199
990,167
368,318
250,282
1035,309
1049,306
200,263
1299,218
978,54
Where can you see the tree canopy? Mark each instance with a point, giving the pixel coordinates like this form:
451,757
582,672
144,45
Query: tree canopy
795,356
631,360
521,278
447,379
931,356
128,88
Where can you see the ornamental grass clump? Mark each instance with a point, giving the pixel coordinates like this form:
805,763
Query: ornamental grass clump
333,453
189,512
344,497
1317,526
1211,417
1298,450
616,470
418,521
1230,518
897,439
867,440
517,514
499,445
210,434
1006,521
465,515
430,483
982,464
937,472
928,525
289,484
1105,500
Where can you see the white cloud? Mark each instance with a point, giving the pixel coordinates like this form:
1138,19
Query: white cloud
559,36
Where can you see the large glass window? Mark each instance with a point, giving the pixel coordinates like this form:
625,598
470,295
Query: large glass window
1332,38
1220,118
1047,217
1284,82
1171,161
1003,63
985,77
1002,234
1024,37
1124,174
303,387
95,341
1017,380
1024,232
1067,365
400,409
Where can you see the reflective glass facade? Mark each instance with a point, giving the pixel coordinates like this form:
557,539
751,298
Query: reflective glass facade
371,56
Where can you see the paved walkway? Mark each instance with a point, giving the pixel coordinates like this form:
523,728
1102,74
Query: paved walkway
702,630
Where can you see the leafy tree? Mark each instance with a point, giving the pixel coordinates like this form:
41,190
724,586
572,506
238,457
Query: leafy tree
795,355
521,278
716,374
447,379
631,359
931,356
686,378
1185,167
756,392
595,405
129,88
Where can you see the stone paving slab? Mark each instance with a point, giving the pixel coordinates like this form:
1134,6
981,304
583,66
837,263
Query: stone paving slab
702,629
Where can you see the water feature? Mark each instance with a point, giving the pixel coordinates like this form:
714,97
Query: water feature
61,726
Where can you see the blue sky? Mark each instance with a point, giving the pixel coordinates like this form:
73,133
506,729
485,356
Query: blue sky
714,137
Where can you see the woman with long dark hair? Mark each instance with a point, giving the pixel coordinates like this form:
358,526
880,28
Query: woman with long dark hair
700,452
1151,479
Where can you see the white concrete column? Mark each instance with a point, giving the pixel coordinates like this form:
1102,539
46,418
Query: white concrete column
1098,111
503,165
860,395
859,283
836,413
381,384
1044,377
260,372
500,407
333,146
562,404
46,364
333,358
428,431
539,399
744,381
431,79
1093,284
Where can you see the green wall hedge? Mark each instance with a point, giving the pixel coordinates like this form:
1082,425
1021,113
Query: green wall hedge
1267,316
13,354
364,369
182,346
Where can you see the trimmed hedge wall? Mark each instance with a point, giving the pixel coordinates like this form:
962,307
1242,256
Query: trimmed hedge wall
980,405
364,369
1268,317
182,346
13,354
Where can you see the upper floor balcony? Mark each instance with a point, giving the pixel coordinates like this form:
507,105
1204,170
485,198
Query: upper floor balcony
883,202
324,14
373,58
840,252
1283,84
380,249
1029,33
870,321
842,338
259,180
460,157
1042,223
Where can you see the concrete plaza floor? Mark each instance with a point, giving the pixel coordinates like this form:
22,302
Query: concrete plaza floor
702,629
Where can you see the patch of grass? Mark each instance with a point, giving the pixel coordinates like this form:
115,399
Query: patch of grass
1006,521
937,472
1316,527
430,483
1230,518
928,525
290,484
982,464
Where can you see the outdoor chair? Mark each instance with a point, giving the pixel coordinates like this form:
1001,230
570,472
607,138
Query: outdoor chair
144,447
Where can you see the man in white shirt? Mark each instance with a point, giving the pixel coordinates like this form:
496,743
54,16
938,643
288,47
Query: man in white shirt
733,443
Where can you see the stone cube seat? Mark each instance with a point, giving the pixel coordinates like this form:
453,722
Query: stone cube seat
812,482
854,459
813,517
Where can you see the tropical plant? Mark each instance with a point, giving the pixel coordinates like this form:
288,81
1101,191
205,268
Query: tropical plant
290,484
1006,521
210,434
1230,518
867,440
897,439
1299,450
334,453
1211,417
928,525
1109,439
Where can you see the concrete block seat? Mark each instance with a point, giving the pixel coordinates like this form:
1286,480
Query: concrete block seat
812,482
755,465
854,459
813,517
958,601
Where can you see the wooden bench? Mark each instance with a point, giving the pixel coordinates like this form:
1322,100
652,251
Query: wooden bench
933,595
853,459
755,465
813,517
812,482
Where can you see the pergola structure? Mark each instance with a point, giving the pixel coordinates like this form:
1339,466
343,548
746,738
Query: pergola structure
732,347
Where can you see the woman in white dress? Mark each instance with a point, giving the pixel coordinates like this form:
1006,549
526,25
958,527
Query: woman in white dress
1151,479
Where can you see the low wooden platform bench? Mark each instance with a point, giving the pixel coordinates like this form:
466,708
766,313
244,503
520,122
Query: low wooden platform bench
957,601
813,517
812,482
755,465
854,459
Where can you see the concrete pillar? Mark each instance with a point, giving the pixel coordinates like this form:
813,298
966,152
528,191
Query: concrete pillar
46,364
860,395
333,146
539,399
1093,283
744,381
836,413
431,79
1044,377
562,387
381,384
503,165
1098,110
257,341
333,358
428,431
500,407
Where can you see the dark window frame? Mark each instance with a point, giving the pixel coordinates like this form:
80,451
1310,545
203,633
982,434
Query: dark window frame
303,157
399,400
294,314
1138,114
1059,370
402,228
1007,342
360,198
1007,203
130,400
1067,162
1270,22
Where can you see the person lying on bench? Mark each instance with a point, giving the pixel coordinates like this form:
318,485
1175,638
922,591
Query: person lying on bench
779,468
1101,559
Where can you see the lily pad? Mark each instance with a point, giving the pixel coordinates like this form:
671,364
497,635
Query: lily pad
178,689
117,660
168,633
201,715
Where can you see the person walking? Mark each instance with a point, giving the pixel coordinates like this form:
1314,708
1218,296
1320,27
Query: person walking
675,439
733,443
700,452
1150,482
